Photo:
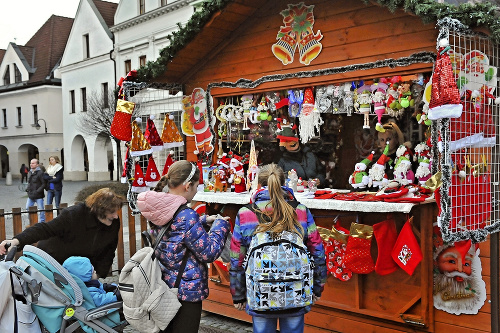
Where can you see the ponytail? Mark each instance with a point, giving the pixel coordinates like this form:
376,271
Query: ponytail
282,216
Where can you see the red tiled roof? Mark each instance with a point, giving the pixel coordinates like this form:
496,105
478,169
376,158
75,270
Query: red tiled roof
107,10
2,53
48,44
27,52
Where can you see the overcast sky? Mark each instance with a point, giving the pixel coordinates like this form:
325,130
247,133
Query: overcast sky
21,19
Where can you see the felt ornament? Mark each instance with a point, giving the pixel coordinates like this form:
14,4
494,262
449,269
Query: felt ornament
138,145
406,252
168,163
252,168
152,135
273,98
170,133
357,256
363,102
379,98
359,179
309,118
348,100
152,175
120,127
246,104
263,110
138,184
445,96
386,236
295,100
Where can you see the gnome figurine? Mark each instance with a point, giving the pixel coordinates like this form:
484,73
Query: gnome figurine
403,172
423,172
377,173
359,178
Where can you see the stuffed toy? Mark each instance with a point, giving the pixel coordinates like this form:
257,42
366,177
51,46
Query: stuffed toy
379,98
359,178
363,103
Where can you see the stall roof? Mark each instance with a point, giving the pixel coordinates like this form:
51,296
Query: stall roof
217,24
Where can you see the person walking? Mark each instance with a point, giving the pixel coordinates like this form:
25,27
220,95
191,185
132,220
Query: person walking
53,177
24,173
185,237
35,189
277,220
111,168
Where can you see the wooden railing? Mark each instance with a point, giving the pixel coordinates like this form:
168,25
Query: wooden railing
126,247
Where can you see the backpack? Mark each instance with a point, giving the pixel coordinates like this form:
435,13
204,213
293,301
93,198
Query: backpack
148,303
279,272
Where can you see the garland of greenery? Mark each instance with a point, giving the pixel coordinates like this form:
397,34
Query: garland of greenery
472,15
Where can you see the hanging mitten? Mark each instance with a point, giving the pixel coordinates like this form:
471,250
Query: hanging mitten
357,257
406,252
386,236
121,127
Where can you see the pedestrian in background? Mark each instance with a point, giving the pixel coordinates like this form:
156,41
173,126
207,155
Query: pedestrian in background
24,173
53,178
111,168
36,188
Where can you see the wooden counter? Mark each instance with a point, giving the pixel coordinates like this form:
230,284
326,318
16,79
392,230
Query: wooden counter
393,303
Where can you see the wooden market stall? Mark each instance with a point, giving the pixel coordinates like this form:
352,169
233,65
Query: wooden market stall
361,41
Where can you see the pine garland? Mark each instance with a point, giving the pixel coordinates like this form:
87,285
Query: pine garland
472,15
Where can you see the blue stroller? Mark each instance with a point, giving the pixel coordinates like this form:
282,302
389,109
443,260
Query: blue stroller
61,300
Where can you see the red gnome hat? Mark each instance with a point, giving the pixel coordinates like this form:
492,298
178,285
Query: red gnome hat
168,163
383,159
152,135
138,185
152,175
445,97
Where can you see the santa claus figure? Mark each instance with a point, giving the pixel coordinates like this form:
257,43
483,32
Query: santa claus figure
196,108
403,172
423,172
237,178
377,173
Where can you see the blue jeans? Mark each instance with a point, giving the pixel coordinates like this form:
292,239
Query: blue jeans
287,324
39,203
51,194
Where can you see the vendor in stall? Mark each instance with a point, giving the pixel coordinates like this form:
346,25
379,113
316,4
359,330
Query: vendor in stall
395,137
301,158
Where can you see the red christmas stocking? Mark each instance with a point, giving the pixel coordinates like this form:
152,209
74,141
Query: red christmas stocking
121,127
386,236
406,252
336,256
357,257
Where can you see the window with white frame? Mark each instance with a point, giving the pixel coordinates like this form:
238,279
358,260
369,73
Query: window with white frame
142,61
72,101
4,115
86,46
6,76
19,117
35,114
83,91
105,95
128,66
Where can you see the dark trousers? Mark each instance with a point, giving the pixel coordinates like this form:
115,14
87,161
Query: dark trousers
24,178
187,319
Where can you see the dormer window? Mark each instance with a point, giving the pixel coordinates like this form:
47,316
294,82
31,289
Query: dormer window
17,74
6,76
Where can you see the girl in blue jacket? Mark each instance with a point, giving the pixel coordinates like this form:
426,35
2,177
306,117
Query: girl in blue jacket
185,237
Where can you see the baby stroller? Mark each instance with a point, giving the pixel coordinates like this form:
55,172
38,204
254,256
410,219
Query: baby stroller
59,299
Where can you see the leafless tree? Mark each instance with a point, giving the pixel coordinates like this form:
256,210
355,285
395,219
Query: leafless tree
98,118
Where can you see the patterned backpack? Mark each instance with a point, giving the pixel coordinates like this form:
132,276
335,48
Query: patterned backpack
279,272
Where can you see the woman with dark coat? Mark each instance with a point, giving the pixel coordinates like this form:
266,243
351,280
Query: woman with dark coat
54,176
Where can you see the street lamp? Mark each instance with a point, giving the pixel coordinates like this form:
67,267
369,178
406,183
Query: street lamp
37,125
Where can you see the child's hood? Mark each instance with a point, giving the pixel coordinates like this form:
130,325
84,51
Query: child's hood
80,267
159,207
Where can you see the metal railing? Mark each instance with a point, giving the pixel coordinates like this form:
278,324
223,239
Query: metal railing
15,221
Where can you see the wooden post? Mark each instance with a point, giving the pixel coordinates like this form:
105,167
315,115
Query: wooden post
144,227
17,221
2,225
49,213
131,232
33,215
120,247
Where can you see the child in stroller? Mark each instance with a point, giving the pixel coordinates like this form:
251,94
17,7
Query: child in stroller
101,293
61,300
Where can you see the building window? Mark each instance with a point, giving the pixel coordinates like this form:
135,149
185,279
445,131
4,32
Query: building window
4,114
105,95
86,46
72,100
163,2
84,99
142,6
6,76
128,66
17,74
19,122
142,61
35,114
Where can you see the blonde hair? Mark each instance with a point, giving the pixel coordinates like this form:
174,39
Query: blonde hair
56,158
178,173
104,201
396,132
282,216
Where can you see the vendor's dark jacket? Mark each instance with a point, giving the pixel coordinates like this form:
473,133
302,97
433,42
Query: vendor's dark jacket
56,181
36,184
76,231
305,162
